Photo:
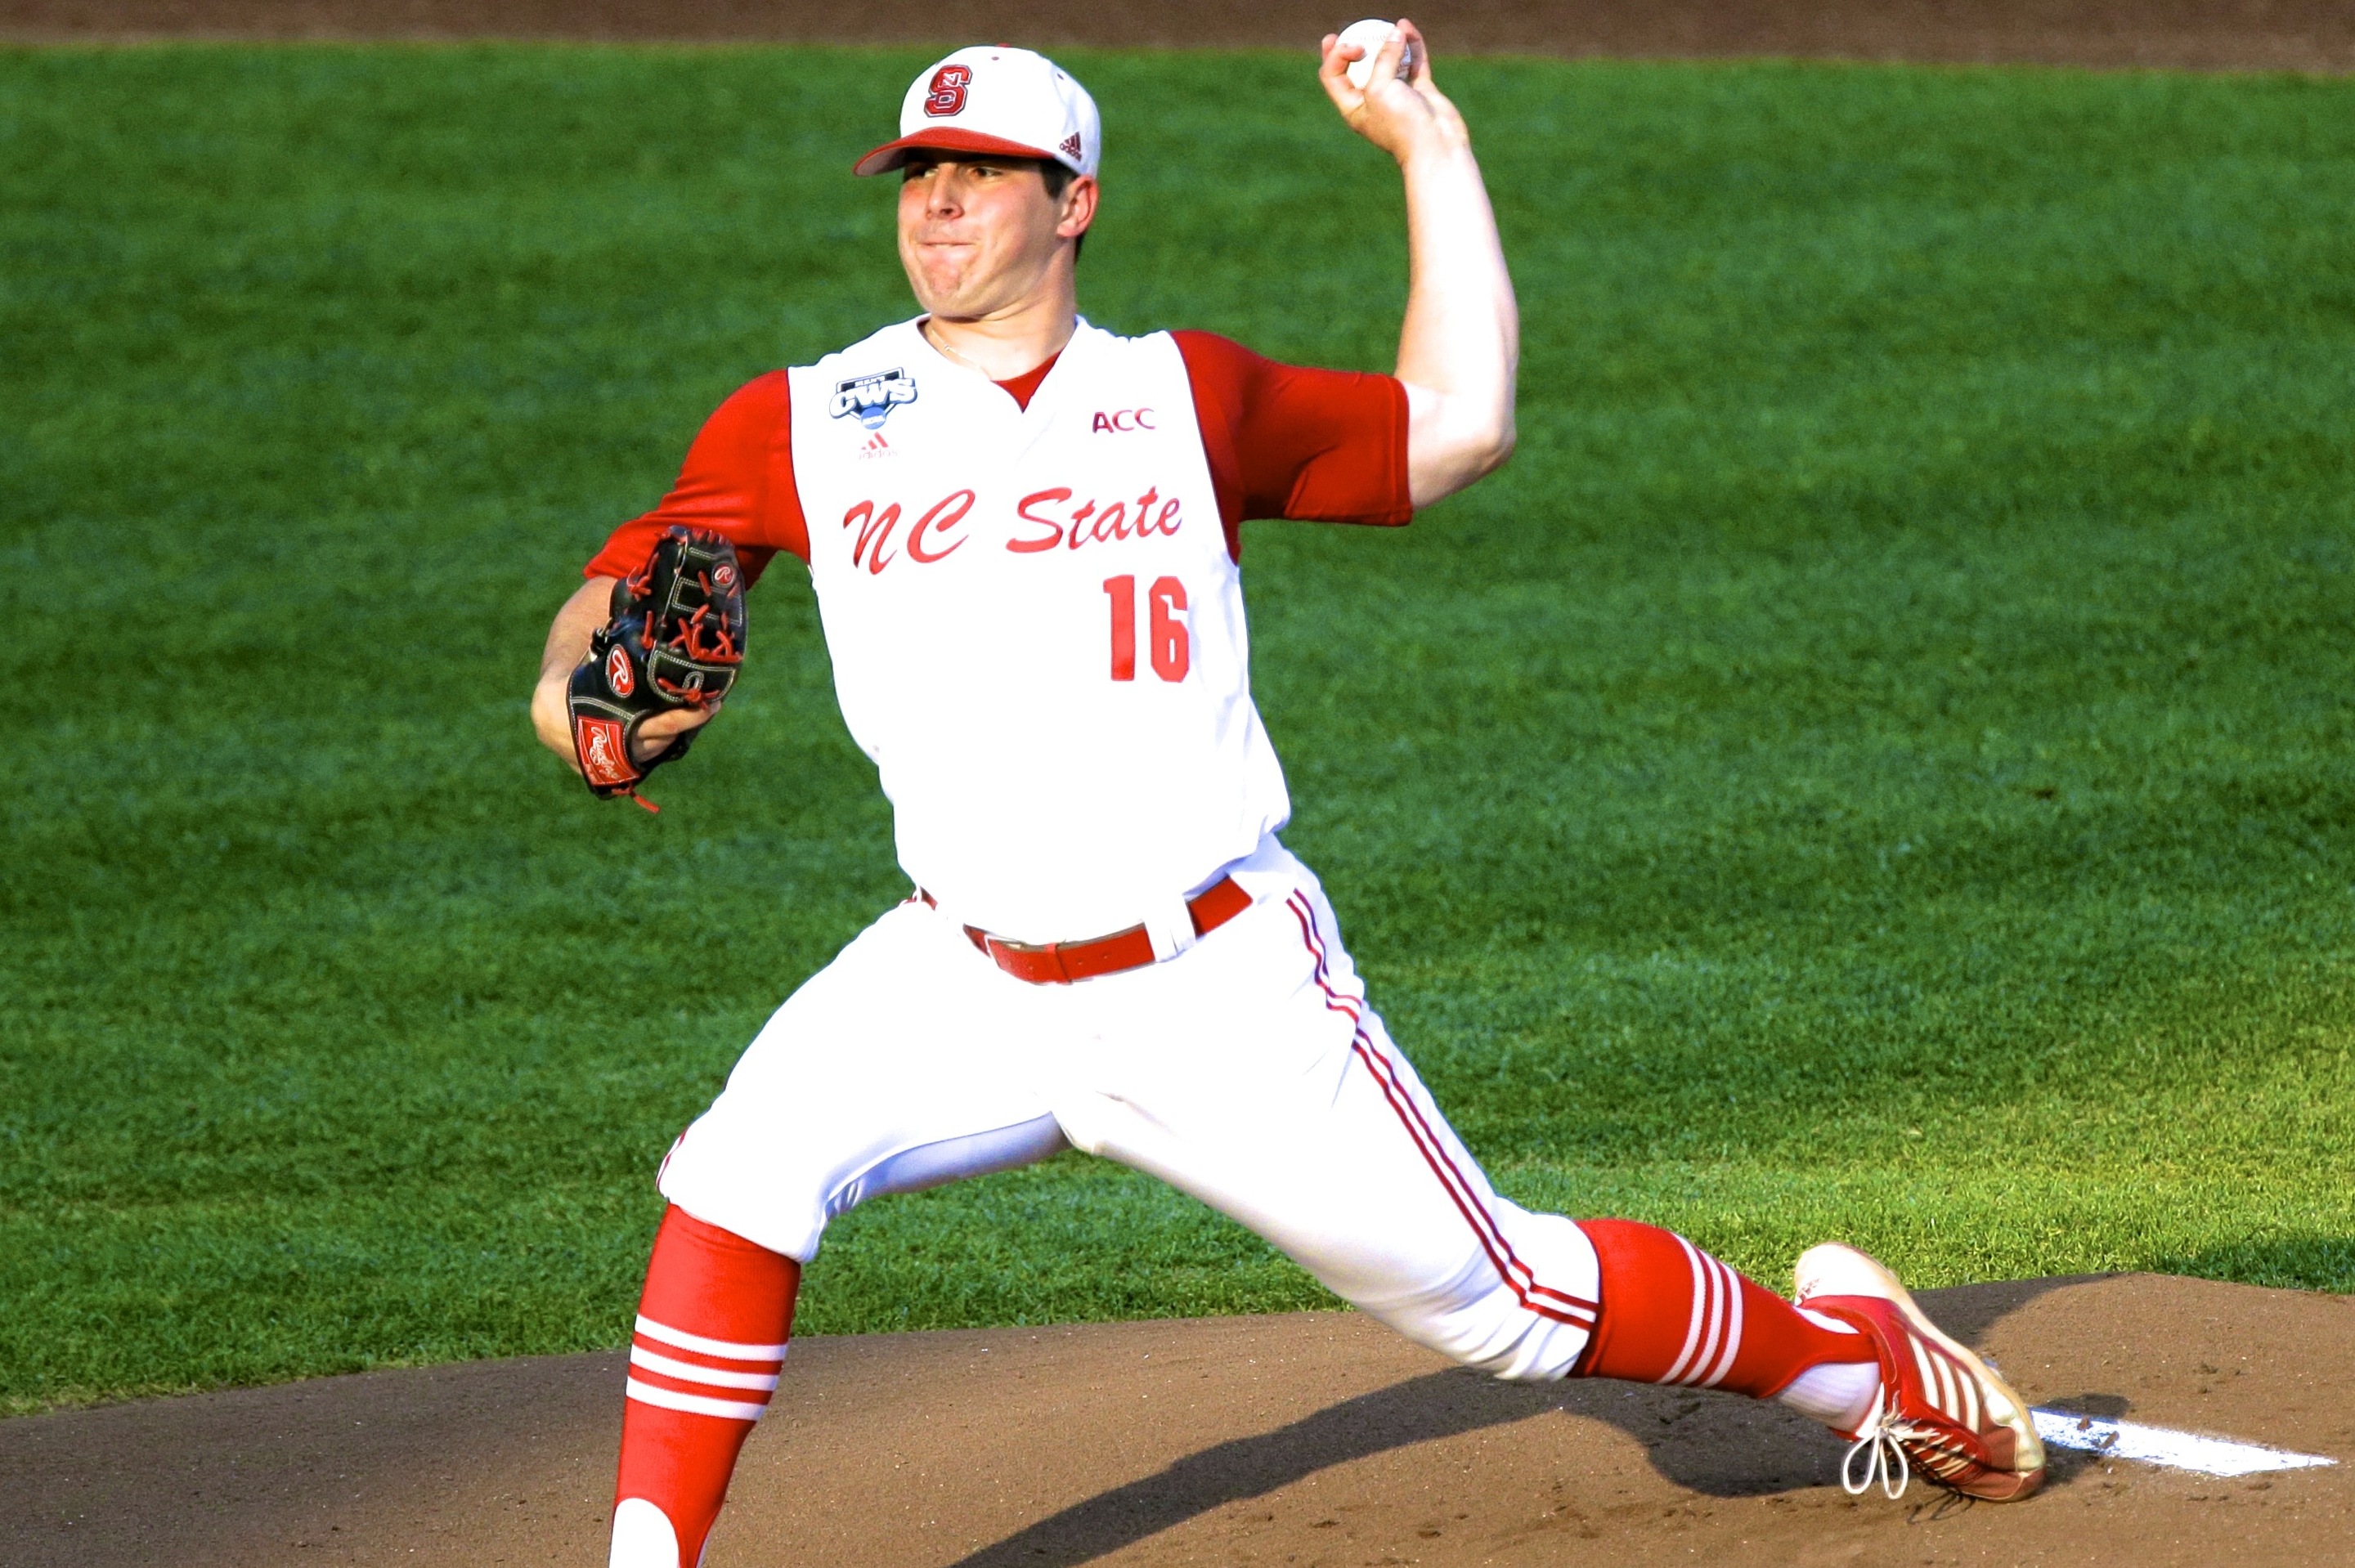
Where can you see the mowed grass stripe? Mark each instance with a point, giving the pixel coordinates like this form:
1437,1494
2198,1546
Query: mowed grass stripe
1876,765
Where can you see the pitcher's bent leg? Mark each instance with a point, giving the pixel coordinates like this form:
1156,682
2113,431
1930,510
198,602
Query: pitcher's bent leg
886,1073
707,1345
894,1067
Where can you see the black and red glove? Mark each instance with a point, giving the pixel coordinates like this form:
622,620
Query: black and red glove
675,641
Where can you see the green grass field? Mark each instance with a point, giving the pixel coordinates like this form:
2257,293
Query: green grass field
1877,764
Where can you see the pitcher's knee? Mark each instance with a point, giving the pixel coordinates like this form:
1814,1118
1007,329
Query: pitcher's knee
1503,1336
1522,1307
1499,1329
726,1177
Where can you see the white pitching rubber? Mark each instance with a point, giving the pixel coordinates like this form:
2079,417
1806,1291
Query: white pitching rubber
2159,1445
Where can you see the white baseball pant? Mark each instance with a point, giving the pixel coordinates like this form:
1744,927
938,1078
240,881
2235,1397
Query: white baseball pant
1246,1070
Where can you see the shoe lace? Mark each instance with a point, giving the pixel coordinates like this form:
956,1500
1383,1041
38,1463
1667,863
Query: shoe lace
1878,1441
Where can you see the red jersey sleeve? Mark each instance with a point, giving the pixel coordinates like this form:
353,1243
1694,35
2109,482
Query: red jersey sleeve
738,482
1326,446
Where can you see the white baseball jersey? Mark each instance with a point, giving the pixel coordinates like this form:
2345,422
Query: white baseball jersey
1030,595
1036,626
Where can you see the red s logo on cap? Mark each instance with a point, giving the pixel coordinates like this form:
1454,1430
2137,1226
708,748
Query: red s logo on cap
947,94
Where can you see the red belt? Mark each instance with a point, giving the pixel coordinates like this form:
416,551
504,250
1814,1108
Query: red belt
1061,963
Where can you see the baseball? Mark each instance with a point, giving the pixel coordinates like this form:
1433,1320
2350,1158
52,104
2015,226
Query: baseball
1370,34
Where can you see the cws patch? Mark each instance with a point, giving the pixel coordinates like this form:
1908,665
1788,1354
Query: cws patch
872,397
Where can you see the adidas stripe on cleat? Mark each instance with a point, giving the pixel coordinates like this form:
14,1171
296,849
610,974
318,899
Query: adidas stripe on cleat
1942,1411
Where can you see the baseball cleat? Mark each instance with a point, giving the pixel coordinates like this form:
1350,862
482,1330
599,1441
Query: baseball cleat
1942,1411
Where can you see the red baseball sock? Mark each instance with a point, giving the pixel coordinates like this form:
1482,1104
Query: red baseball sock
1671,1313
712,1325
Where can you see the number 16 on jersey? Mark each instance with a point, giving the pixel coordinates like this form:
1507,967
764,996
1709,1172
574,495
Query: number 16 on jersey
1168,644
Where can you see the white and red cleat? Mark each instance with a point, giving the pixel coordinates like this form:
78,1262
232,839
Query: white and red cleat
1942,1411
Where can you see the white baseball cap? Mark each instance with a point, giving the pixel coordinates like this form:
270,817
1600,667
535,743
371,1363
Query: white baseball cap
992,99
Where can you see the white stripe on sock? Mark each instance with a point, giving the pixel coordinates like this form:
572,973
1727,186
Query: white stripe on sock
1693,1332
687,1371
1732,1325
693,1403
1714,1335
729,1348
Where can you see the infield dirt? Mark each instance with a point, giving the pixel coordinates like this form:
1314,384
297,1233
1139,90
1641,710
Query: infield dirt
2260,35
1312,1440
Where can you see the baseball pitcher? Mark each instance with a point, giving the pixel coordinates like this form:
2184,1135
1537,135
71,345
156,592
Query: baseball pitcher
1024,535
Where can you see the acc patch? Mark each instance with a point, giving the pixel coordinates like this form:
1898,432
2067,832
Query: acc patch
601,757
619,677
872,397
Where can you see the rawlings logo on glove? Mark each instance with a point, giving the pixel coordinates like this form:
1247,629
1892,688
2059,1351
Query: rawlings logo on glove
675,641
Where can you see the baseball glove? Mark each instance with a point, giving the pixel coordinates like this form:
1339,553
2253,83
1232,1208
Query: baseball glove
675,641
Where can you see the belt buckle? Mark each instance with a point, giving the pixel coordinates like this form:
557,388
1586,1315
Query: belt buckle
1051,951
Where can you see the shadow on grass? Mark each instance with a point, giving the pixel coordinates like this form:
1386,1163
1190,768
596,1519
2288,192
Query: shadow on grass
2289,1263
1718,1444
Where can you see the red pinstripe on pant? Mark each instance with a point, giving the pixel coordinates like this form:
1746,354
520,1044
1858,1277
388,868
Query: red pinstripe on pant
1668,1312
1536,1295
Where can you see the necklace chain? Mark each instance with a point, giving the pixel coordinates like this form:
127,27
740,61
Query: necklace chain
945,348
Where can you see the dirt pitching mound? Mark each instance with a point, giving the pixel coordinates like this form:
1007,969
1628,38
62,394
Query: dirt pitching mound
1310,1440
2278,34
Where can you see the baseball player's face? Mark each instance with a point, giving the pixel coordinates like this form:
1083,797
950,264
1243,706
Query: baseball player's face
980,238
